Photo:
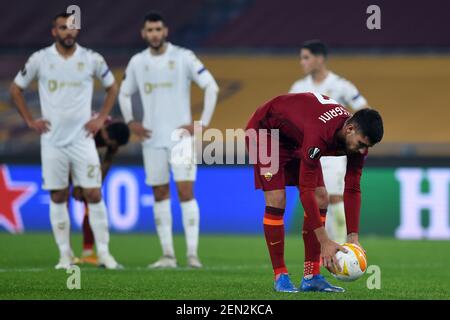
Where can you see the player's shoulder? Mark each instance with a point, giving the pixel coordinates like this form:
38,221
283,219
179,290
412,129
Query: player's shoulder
300,85
138,57
182,52
90,54
39,54
340,80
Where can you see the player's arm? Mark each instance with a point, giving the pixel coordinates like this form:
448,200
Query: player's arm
352,96
127,88
104,74
21,81
309,173
204,79
352,196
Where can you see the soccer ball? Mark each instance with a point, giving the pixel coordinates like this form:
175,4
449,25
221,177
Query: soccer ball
353,264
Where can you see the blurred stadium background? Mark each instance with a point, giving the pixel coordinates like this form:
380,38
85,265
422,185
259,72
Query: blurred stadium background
251,47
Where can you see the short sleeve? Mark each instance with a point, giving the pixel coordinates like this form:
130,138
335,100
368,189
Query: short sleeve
102,71
129,84
352,96
29,71
295,88
197,71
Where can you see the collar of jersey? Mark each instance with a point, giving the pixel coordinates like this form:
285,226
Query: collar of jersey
76,52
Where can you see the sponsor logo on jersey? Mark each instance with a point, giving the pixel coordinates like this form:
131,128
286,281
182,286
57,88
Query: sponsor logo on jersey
52,85
314,153
149,87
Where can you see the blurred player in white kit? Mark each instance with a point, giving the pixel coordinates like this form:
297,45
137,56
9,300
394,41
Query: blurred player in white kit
162,74
65,72
313,56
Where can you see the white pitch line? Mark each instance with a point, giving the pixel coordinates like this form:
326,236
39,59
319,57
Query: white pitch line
145,269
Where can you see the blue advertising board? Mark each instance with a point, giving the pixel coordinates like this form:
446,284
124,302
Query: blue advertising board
227,199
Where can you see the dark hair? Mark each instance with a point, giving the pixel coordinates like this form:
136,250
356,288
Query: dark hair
369,123
317,47
119,132
62,14
154,17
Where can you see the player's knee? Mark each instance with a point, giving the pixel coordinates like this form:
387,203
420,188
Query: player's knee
59,196
92,195
185,193
161,192
275,199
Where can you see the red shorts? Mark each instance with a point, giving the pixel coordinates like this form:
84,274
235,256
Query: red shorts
267,175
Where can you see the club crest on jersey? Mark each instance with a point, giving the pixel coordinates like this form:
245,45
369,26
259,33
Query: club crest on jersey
80,66
171,64
268,176
314,153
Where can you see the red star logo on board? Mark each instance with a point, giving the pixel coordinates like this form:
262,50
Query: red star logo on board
12,196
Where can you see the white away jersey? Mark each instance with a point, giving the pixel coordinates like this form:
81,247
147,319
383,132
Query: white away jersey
164,85
65,89
333,86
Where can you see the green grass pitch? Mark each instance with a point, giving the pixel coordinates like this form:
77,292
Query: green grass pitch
236,267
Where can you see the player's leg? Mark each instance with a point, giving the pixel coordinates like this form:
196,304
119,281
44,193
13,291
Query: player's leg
88,255
157,176
184,168
334,172
55,175
191,221
312,279
274,232
86,171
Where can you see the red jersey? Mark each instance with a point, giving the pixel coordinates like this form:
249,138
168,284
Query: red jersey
307,124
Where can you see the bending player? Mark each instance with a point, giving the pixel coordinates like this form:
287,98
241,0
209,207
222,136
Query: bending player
313,57
112,136
309,126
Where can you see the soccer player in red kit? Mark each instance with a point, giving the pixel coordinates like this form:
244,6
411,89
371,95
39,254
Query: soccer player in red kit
293,131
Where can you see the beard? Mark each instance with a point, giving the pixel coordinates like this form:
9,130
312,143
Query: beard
157,46
67,42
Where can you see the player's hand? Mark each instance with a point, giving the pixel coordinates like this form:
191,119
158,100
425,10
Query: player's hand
40,125
191,128
94,125
328,251
77,193
353,238
138,129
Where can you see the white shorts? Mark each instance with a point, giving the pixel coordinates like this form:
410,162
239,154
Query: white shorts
79,159
158,162
334,169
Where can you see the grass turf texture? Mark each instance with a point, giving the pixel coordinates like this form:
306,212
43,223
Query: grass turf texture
236,267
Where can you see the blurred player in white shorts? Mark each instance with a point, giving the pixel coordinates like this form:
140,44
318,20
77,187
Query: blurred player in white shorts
313,56
65,72
162,74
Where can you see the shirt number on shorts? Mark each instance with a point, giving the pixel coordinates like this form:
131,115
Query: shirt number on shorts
93,171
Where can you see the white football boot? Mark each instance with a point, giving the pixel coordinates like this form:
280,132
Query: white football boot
164,262
106,260
194,262
65,261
